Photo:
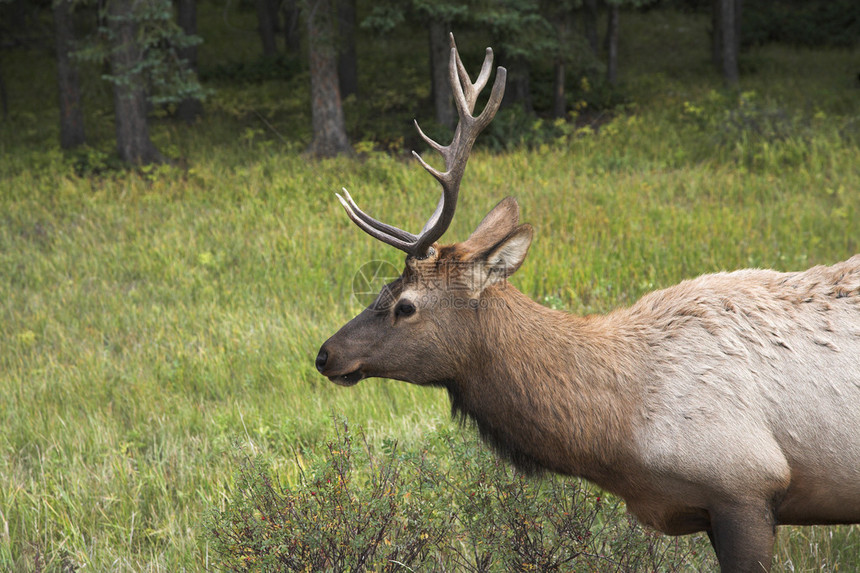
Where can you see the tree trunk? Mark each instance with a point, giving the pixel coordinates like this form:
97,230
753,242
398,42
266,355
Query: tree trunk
4,99
266,27
274,7
347,62
519,85
292,34
326,111
129,93
71,110
612,45
589,24
738,11
189,109
716,34
440,57
559,101
562,30
726,38
728,42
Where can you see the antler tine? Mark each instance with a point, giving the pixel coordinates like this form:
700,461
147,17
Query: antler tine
429,141
456,154
470,89
374,227
496,96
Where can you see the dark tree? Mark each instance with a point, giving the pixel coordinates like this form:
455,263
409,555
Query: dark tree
16,19
589,25
4,99
726,38
519,88
347,61
612,43
559,13
266,26
522,37
439,18
190,108
71,110
129,86
716,34
292,32
440,56
559,98
329,127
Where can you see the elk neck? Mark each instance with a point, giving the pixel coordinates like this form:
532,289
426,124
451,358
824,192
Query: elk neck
550,390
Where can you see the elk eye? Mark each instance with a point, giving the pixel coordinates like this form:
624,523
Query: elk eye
404,308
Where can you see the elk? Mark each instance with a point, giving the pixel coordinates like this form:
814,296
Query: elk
729,403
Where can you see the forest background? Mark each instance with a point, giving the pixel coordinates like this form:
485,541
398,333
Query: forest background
171,258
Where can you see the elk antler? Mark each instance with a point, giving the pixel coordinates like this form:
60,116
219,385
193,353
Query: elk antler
456,154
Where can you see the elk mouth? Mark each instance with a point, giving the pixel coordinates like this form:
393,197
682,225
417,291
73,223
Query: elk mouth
350,379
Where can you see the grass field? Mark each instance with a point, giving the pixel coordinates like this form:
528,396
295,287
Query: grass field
154,321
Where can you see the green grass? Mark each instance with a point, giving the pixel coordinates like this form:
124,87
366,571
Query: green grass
153,321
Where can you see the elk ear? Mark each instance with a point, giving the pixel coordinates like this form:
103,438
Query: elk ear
497,225
504,258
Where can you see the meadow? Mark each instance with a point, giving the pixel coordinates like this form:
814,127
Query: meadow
160,324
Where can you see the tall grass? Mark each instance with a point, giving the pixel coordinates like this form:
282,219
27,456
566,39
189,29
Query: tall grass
152,320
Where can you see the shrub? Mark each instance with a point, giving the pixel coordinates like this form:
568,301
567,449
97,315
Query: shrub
353,511
448,505
749,130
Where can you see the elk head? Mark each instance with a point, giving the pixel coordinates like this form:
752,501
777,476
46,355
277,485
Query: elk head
422,328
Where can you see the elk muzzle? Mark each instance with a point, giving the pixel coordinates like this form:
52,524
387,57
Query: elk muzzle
328,367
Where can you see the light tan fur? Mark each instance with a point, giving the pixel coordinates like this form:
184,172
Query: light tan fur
729,403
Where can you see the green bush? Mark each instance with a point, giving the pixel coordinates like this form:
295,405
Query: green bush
745,128
448,504
352,511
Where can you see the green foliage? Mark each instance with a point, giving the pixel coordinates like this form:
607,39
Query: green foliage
514,128
753,131
387,15
87,161
590,106
168,76
518,29
448,504
523,35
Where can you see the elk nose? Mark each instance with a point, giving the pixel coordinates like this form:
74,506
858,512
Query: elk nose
322,358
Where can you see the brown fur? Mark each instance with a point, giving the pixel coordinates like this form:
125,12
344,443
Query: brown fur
729,403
